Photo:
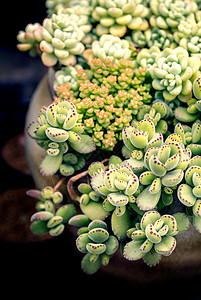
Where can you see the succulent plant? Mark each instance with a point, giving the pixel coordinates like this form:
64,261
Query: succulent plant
67,74
49,217
165,167
152,238
158,113
110,46
57,130
146,57
30,39
99,246
188,35
61,40
154,37
172,71
115,17
53,5
168,14
189,192
109,100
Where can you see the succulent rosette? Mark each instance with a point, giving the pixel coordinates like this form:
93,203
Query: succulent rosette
168,14
172,72
61,40
56,130
110,46
189,193
115,17
152,238
99,246
49,217
147,56
188,35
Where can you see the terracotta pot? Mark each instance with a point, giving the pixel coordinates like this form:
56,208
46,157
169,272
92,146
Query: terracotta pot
183,263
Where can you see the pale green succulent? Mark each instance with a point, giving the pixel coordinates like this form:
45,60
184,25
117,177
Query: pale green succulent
53,5
67,74
115,16
137,139
50,218
168,14
158,113
188,35
191,136
172,71
30,39
152,238
57,131
165,167
153,37
189,193
146,57
99,246
61,40
110,46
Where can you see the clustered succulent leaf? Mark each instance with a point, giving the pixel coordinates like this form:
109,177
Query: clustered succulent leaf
58,132
51,216
97,243
128,84
108,98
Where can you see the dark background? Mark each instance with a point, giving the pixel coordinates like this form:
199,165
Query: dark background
52,266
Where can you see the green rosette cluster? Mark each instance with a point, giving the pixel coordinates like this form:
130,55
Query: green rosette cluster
61,40
152,238
67,74
57,131
50,218
155,36
147,56
108,98
189,193
53,5
109,46
94,240
172,72
168,14
116,17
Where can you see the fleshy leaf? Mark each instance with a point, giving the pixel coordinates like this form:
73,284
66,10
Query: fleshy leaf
152,258
111,245
150,217
79,220
197,208
86,145
82,241
173,178
166,246
147,200
95,248
56,134
39,227
152,234
156,166
183,222
120,224
132,250
50,164
88,267
185,195
98,235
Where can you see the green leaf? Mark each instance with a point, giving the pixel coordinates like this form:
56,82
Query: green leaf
50,164
166,246
112,245
98,235
152,258
183,222
86,145
79,220
94,210
197,223
147,200
132,250
90,267
120,224
66,212
39,227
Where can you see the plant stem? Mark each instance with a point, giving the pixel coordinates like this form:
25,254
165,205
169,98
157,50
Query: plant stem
59,183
